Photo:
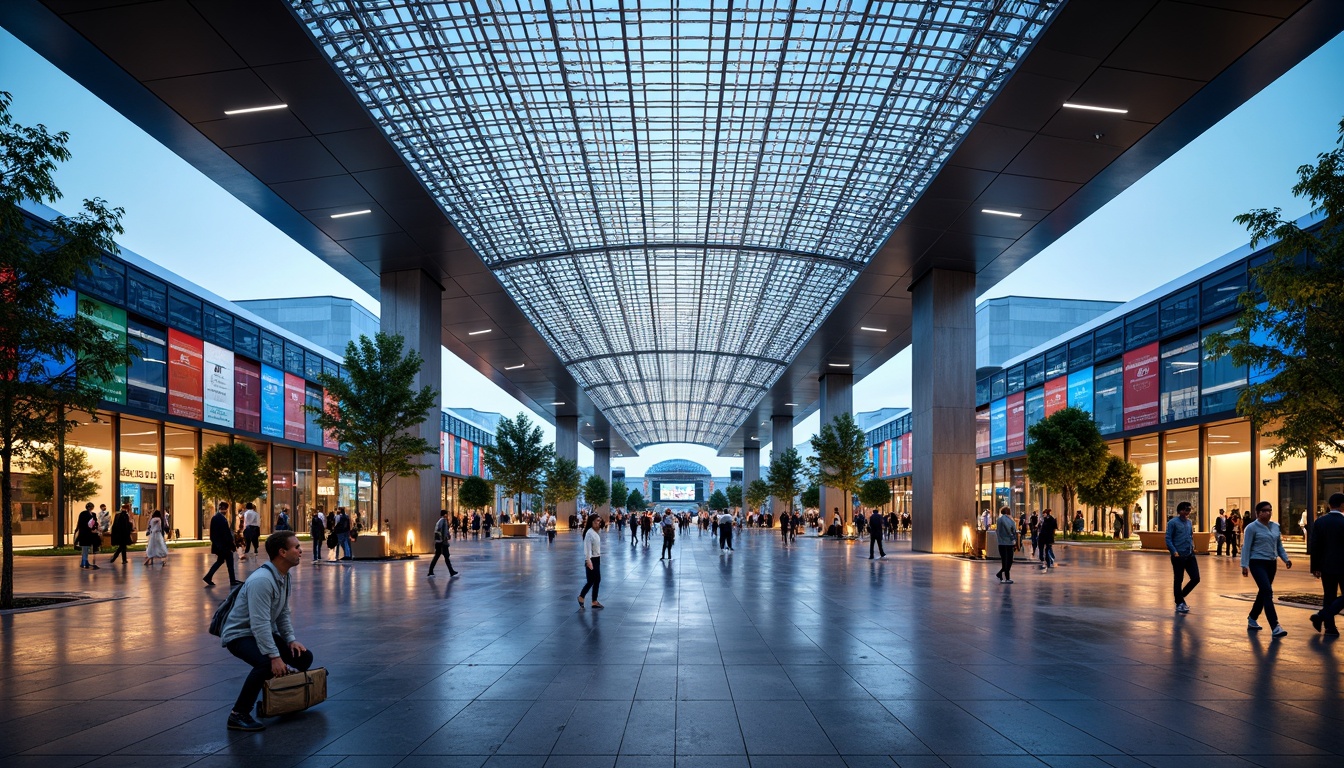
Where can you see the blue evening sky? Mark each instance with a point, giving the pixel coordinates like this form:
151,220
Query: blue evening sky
1171,221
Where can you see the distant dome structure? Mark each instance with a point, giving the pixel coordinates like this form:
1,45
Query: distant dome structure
678,484
677,467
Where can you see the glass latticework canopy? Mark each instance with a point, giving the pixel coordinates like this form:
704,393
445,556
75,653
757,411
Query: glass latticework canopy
676,192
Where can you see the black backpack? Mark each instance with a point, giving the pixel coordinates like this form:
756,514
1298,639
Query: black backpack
222,612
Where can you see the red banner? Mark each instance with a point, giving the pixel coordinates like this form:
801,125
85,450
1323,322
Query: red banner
328,437
907,460
295,425
1141,387
186,376
1017,422
464,457
246,395
1056,394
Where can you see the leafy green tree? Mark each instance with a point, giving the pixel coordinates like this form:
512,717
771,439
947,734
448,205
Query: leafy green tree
520,457
377,410
1119,487
811,497
635,501
757,493
786,476
734,495
231,472
718,501
1066,451
1293,327
39,343
79,481
841,458
562,481
475,493
596,492
874,493
619,494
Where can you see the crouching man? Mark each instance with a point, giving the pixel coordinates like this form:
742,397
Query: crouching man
258,629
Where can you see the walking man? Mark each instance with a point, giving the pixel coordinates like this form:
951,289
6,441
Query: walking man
1045,540
1220,531
876,524
258,629
725,531
251,529
669,534
441,544
1006,530
1181,544
1263,545
221,545
1326,547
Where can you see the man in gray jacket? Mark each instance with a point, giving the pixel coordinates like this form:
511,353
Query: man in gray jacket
1006,531
258,629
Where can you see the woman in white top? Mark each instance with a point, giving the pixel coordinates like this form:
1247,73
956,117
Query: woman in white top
156,548
592,557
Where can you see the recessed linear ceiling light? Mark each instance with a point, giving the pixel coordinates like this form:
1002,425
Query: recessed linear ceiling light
995,212
557,403
514,367
1095,108
838,365
350,213
870,328
478,333
249,110
753,437
598,439
795,405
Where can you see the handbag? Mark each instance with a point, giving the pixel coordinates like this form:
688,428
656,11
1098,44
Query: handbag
331,540
294,692
135,536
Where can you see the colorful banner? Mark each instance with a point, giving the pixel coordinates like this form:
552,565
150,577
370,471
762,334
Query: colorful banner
1141,389
998,427
312,397
1080,389
272,401
112,322
907,458
295,425
1056,395
463,456
444,437
246,395
219,385
329,405
982,432
186,376
1017,422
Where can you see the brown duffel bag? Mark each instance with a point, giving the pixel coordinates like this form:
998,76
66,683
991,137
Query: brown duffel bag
294,692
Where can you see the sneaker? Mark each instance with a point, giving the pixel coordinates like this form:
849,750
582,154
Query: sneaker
1008,581
1182,608
244,722
1253,624
1279,631
1317,622
998,576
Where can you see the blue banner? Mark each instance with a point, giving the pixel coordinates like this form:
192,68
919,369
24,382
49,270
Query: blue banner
272,401
1080,389
998,427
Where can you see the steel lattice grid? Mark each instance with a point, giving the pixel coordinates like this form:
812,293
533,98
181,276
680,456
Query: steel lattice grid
600,148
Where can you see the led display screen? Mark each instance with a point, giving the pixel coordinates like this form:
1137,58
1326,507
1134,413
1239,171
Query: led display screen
1141,387
1056,395
219,385
1017,427
1080,389
186,376
272,401
907,458
676,492
998,427
295,425
246,395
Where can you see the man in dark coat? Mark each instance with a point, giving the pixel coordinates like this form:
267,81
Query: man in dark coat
121,534
221,545
86,536
1325,545
875,525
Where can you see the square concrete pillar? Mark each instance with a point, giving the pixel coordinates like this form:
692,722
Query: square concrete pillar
837,397
412,307
781,440
602,468
751,468
566,447
943,363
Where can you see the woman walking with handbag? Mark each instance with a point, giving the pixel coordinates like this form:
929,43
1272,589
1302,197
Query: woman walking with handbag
592,557
156,548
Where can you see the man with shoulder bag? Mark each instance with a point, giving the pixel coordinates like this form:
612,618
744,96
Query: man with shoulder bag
441,544
257,629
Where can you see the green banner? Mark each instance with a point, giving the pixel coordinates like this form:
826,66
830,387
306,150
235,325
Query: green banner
112,321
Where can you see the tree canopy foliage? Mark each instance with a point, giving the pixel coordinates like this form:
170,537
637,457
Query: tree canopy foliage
756,494
520,457
619,494
596,492
874,493
635,501
1119,486
786,476
232,472
734,494
79,481
1066,451
811,497
562,481
475,493
718,501
840,457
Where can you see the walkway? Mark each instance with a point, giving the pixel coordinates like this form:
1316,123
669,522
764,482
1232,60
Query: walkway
808,656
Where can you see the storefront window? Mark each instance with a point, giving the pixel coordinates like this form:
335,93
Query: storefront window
1220,292
1181,311
139,481
1108,396
1228,451
1284,486
1222,380
147,375
1183,476
1147,513
1141,327
328,496
208,504
282,480
1180,379
305,488
179,481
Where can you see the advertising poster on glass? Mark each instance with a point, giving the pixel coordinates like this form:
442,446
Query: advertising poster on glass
1056,395
112,322
1141,387
219,385
246,395
998,427
295,425
1017,426
329,437
186,376
1080,390
272,401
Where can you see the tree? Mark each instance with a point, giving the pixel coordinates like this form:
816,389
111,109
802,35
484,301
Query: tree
734,495
1066,451
811,497
1119,486
635,501
231,472
785,477
40,338
475,493
874,493
718,501
79,481
757,493
1291,330
596,491
519,459
841,458
562,481
377,409
619,494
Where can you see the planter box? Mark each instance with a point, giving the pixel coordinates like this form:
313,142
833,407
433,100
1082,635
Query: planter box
369,547
513,529
1158,540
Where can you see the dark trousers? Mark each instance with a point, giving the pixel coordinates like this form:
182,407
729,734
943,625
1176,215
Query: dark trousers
725,536
1263,572
667,547
1220,538
120,551
594,578
252,539
1233,545
1332,603
222,558
1180,566
876,541
1006,560
246,649
441,550
550,536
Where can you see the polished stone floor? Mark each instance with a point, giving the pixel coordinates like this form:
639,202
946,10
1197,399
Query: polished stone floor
805,656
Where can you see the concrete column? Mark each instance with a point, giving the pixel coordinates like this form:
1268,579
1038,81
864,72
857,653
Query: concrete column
943,363
837,397
566,447
412,307
602,468
751,468
781,440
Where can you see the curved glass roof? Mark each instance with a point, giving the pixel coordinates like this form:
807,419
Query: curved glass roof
675,192
677,467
